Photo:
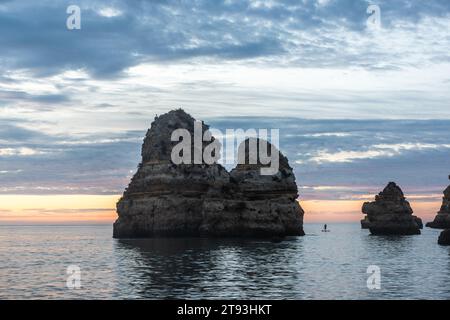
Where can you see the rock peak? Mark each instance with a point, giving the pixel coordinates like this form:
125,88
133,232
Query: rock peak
252,160
157,144
392,192
392,185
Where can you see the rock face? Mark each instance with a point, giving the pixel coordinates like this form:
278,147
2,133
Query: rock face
165,199
262,204
365,223
444,238
419,222
391,214
442,219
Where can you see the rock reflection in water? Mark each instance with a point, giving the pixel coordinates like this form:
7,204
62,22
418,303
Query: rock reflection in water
196,267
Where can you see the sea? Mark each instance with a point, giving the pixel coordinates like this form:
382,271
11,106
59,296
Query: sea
85,262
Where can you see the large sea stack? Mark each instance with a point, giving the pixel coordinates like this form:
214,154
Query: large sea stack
442,219
165,199
391,214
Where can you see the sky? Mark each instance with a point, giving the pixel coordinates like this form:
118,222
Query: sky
357,104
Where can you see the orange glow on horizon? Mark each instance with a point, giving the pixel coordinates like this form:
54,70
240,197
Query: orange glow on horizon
101,209
350,210
58,208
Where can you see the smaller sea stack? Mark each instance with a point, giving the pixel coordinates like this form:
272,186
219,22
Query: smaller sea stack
391,213
442,219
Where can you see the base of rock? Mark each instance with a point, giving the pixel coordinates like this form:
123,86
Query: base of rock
390,231
224,218
365,223
441,221
444,238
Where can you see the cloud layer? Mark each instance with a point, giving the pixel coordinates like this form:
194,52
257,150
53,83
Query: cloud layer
333,159
357,106
115,35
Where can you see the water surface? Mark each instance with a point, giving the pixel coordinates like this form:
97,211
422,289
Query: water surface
333,265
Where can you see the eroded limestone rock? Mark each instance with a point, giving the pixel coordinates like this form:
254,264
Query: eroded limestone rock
444,238
165,199
391,213
442,219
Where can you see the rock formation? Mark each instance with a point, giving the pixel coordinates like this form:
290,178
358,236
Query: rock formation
267,203
442,219
444,238
167,199
391,214
419,222
365,223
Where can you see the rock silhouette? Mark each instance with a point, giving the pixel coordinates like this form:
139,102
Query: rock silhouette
167,199
365,223
442,219
391,214
444,238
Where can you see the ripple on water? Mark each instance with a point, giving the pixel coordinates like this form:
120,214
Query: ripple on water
318,266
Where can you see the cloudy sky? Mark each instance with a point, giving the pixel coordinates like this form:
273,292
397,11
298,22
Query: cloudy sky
357,105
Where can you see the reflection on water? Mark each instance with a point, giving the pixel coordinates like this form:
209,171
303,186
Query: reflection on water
201,268
318,266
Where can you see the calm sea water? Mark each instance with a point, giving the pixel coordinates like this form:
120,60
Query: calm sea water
34,261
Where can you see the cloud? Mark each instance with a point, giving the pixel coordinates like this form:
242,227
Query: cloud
121,34
110,12
14,96
23,151
327,134
348,156
10,172
361,156
75,104
12,131
304,59
375,151
34,162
